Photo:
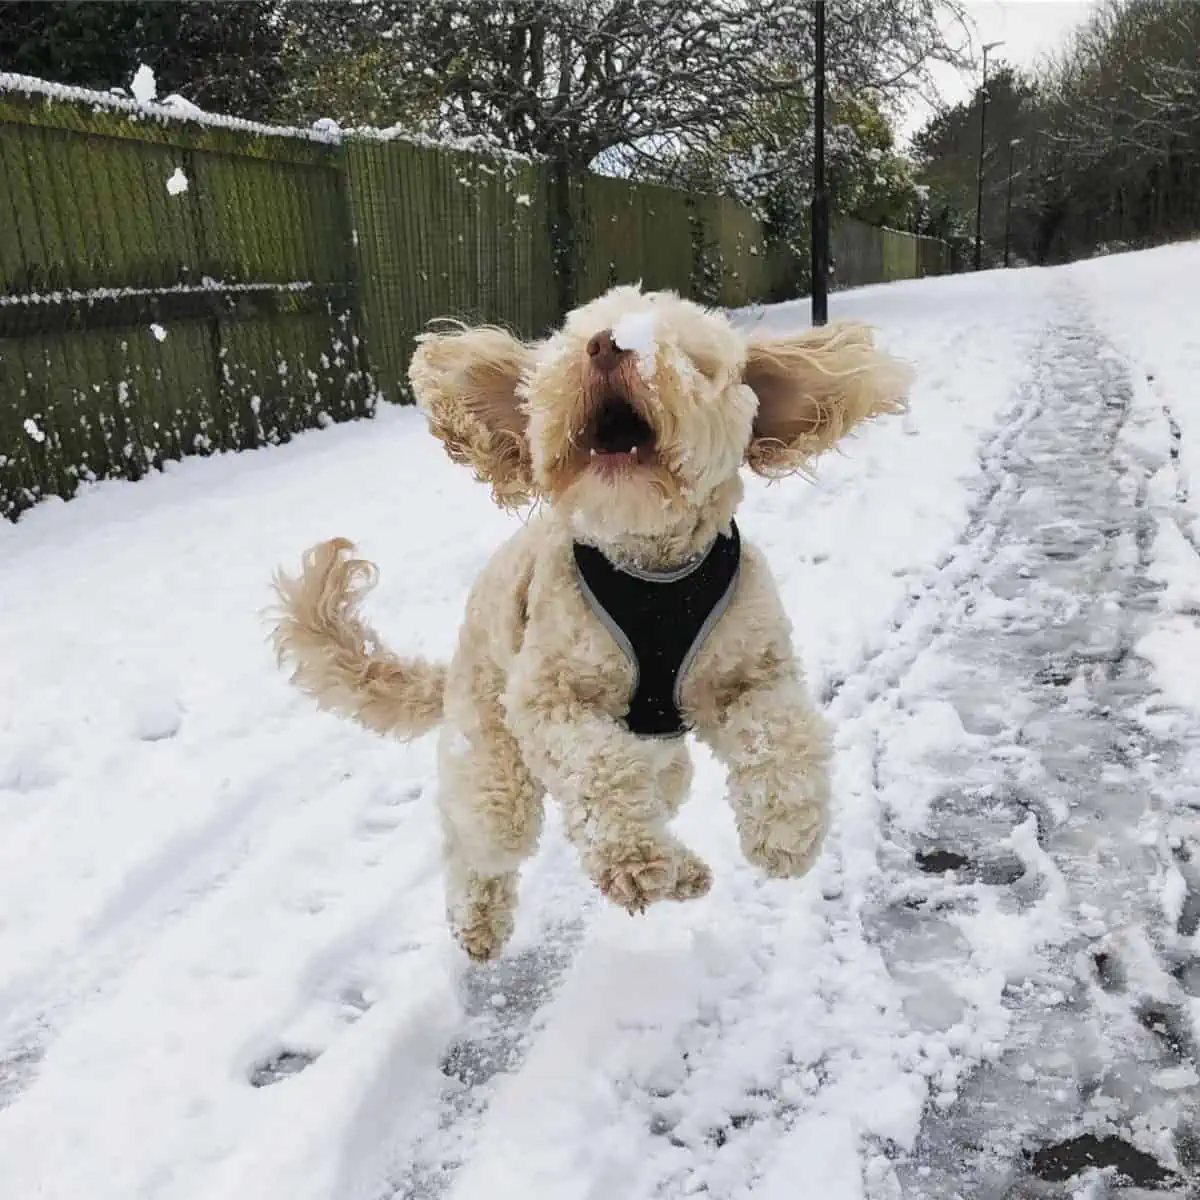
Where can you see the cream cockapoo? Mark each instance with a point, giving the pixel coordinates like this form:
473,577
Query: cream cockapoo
623,614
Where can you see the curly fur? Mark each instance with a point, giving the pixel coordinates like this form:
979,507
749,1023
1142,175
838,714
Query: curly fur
467,382
532,702
813,389
337,657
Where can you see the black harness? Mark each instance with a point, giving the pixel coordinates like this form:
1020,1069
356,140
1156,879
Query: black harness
660,620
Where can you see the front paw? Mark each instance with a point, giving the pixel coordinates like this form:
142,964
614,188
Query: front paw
694,878
635,874
786,847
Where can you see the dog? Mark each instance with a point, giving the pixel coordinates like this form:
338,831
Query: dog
624,613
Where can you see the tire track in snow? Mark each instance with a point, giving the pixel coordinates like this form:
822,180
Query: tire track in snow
155,896
501,1003
34,1006
500,1006
1092,1058
847,697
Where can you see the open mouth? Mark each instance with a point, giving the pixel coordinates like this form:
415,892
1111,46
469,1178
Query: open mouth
618,434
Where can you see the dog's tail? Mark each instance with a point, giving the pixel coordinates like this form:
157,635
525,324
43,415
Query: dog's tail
336,657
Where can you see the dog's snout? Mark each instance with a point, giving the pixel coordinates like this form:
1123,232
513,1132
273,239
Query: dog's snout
603,351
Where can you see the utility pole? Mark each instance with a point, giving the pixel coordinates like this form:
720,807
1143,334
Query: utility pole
820,200
1012,145
982,132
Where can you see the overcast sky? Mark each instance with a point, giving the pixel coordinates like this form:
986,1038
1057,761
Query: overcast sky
1028,28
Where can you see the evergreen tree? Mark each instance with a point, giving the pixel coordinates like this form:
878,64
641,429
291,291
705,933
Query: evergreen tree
225,57
77,42
1109,142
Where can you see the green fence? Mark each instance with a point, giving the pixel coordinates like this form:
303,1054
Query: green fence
444,233
861,254
119,348
172,287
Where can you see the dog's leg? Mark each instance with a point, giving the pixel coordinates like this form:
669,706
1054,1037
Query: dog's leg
612,787
693,877
626,848
675,779
491,810
776,746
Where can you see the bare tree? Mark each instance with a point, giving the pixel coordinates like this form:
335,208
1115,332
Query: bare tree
1110,137
623,82
1122,126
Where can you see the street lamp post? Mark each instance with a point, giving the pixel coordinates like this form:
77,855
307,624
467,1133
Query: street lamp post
820,200
1012,146
982,132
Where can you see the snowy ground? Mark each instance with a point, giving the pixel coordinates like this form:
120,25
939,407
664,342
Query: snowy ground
223,966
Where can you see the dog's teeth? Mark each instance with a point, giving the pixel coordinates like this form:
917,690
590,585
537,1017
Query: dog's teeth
593,451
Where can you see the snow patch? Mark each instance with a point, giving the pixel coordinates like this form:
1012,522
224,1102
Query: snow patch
177,184
183,106
156,714
823,1151
636,332
1173,646
144,86
1177,566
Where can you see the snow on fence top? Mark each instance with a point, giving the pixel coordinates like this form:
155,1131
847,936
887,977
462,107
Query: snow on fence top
95,295
476,144
175,108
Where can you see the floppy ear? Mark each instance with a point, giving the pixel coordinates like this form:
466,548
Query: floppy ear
467,382
813,388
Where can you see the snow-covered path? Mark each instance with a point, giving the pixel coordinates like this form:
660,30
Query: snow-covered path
1051,819
223,970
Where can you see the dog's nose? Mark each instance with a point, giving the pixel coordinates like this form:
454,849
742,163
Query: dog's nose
603,351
